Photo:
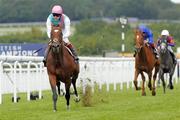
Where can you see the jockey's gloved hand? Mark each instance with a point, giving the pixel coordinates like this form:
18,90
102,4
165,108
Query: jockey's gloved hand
145,41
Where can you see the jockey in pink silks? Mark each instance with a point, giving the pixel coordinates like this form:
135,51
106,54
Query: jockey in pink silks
57,17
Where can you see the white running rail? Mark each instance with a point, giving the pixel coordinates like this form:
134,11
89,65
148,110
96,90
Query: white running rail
27,74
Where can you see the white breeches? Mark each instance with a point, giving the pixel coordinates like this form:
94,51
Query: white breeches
66,40
170,49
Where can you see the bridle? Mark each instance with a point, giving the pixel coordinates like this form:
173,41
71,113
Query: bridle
139,41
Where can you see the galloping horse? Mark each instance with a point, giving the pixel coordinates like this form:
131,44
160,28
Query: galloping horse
61,66
145,61
166,64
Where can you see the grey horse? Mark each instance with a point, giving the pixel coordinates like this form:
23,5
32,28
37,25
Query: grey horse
167,65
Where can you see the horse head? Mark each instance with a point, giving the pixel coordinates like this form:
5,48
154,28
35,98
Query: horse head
56,38
139,40
163,46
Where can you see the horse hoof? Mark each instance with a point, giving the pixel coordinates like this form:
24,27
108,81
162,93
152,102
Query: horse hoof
77,99
171,87
144,94
150,89
68,107
54,110
138,88
153,93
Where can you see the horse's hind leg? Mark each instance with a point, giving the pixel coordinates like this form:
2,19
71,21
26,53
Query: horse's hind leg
135,79
170,82
75,90
143,84
58,83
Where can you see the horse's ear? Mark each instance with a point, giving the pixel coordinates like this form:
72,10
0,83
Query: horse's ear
135,30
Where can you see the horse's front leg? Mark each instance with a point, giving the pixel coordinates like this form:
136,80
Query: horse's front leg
154,78
135,79
53,87
67,96
143,84
161,77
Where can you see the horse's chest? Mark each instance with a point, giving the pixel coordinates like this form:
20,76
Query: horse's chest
143,68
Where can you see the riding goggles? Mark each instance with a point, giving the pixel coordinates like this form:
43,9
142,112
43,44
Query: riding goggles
57,15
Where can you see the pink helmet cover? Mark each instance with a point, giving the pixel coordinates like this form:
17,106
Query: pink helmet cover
57,9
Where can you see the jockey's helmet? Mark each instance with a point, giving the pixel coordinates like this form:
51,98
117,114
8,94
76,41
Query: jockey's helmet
165,32
57,9
143,28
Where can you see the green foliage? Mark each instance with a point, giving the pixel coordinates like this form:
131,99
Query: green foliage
33,36
87,96
31,10
95,37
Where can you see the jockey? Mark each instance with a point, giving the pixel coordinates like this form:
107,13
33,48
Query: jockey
57,17
165,36
148,38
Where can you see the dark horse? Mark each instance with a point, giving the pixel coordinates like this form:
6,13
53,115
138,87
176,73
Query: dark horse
145,61
166,64
61,66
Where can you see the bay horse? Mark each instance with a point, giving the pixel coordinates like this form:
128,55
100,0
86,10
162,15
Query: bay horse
145,61
166,64
61,66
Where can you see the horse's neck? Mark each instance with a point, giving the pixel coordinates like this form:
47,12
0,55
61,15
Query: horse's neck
165,57
143,54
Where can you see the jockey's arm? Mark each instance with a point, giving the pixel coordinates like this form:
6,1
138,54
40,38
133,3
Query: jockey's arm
150,38
48,27
171,41
66,30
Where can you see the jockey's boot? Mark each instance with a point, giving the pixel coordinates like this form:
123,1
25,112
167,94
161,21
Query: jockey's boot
174,58
135,52
45,55
70,46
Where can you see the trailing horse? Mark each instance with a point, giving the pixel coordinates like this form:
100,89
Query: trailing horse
61,66
166,64
145,61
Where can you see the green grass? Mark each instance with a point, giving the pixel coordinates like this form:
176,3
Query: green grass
119,105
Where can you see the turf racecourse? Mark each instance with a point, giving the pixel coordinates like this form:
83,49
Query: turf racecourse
119,105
